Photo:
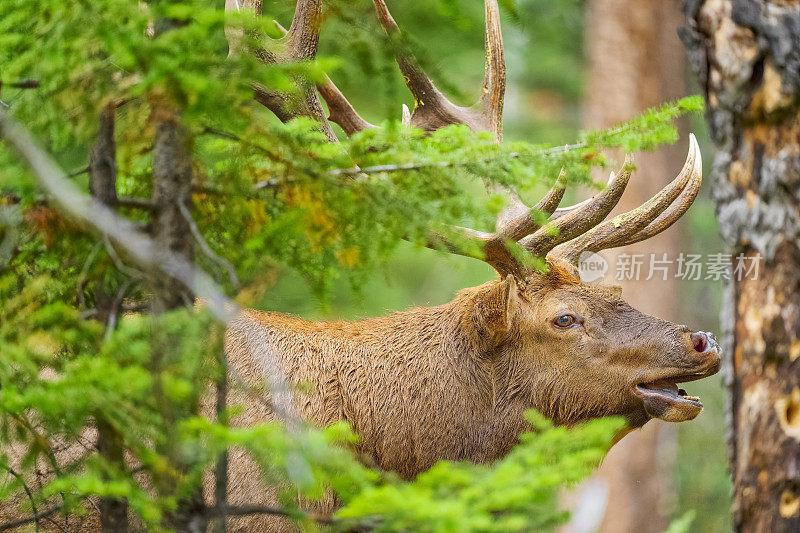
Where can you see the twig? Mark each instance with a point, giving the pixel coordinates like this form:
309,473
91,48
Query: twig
85,271
24,84
117,261
114,311
78,172
446,164
28,492
34,518
139,203
205,247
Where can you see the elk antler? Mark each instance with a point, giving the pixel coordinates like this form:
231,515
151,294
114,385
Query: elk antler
432,110
299,43
647,220
570,230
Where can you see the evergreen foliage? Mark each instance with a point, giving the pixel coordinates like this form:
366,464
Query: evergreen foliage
266,194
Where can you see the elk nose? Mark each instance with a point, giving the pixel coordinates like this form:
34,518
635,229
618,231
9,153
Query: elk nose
700,341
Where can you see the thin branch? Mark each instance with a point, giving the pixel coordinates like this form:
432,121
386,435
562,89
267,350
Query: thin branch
85,271
138,203
33,518
28,492
224,263
23,84
377,169
117,261
115,307
78,172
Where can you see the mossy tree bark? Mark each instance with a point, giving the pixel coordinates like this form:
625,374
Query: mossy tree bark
746,54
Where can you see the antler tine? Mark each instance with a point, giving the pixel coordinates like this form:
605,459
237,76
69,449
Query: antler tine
516,221
621,230
432,110
581,219
422,88
302,39
494,77
301,42
340,110
561,211
671,215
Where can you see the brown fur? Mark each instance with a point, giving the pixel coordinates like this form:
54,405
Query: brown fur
452,381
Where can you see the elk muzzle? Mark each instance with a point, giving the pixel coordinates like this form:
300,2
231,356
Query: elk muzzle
663,398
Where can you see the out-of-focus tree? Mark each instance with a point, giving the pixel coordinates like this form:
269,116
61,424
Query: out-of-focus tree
634,59
746,54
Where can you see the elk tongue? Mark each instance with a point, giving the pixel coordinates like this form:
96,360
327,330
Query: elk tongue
664,387
663,399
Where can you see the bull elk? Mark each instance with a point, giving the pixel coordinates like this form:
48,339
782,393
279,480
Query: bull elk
452,381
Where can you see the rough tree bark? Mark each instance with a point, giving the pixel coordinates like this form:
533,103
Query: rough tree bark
103,186
635,62
746,55
172,232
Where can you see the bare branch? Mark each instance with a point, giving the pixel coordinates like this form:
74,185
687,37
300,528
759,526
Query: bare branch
206,248
137,203
22,84
36,515
14,524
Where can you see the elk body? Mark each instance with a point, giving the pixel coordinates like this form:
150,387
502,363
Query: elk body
452,381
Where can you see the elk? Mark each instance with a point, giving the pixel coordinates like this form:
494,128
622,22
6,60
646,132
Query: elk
452,381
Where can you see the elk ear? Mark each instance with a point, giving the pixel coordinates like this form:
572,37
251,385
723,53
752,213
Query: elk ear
494,309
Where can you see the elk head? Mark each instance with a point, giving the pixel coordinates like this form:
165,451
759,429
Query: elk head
577,350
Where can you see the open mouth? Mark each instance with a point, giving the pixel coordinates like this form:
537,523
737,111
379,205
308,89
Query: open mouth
669,390
665,400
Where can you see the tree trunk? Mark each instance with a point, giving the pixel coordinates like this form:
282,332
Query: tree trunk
746,55
635,62
103,186
172,231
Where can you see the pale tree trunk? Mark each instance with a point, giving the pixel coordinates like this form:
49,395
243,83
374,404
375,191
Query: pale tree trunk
747,58
636,61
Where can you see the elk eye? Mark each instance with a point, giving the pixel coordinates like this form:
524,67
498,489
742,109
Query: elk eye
564,321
